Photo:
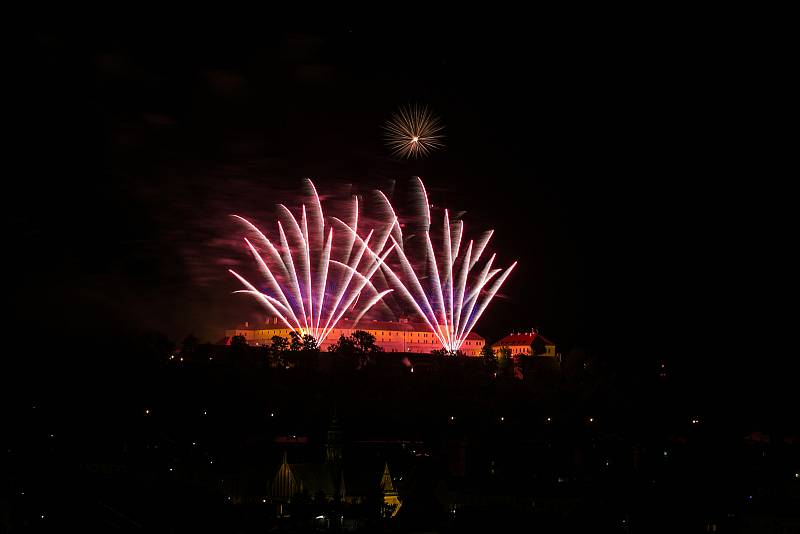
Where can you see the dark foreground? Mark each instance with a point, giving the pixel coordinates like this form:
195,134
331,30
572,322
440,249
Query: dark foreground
127,439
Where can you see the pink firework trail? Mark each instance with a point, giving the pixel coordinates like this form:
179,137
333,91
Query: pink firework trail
310,291
304,287
445,290
456,296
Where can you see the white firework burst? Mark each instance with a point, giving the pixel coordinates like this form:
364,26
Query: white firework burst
413,131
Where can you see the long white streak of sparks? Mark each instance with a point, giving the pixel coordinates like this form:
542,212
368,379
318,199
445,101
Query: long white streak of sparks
307,269
266,302
399,238
492,291
370,304
360,277
407,294
437,284
301,237
274,286
425,200
292,273
483,278
462,284
320,216
270,246
459,233
343,288
352,240
323,267
480,246
391,230
472,298
448,247
363,283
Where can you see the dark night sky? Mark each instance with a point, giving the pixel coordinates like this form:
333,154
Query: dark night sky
626,169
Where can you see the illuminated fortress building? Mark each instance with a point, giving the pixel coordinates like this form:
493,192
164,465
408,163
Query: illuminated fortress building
401,336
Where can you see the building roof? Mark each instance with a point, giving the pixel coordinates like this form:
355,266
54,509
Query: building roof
521,338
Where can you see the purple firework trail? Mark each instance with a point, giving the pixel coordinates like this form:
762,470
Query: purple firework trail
444,289
300,287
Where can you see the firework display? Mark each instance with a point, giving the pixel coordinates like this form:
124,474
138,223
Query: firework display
300,288
434,274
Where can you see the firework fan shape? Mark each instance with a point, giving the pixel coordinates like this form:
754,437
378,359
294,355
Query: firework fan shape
305,287
413,132
310,290
445,289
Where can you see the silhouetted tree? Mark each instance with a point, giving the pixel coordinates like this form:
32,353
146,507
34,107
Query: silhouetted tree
345,346
279,344
365,347
365,342
277,351
310,352
505,361
359,347
309,343
295,342
238,342
238,347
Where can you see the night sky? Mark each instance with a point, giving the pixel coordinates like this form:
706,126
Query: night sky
626,169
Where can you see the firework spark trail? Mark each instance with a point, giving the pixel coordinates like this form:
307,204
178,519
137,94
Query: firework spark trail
408,270
491,293
351,271
274,286
413,132
437,286
297,272
402,288
364,282
370,304
351,241
450,315
462,284
448,259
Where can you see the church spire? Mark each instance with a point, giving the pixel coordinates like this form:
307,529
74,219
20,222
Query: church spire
386,481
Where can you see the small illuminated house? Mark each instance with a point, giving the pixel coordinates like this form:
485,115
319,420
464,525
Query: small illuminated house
526,343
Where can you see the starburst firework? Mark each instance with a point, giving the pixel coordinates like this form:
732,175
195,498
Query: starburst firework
413,132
